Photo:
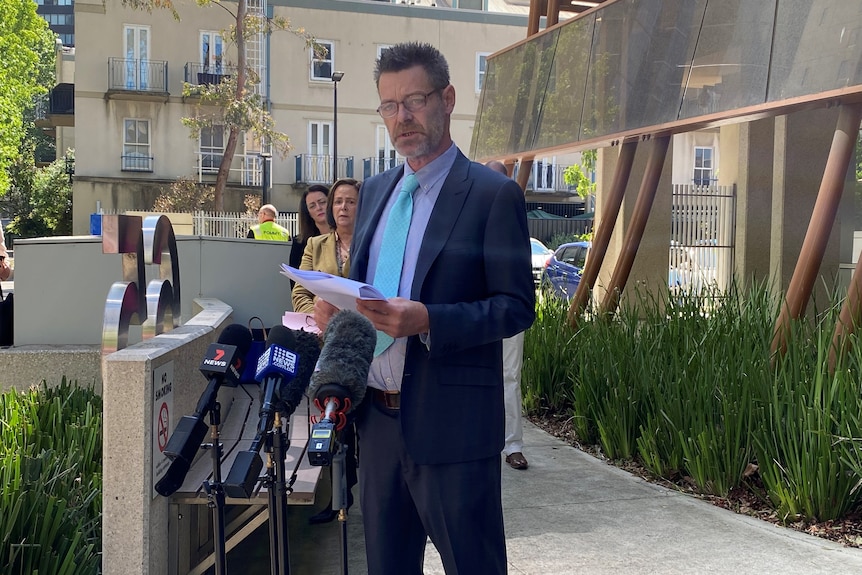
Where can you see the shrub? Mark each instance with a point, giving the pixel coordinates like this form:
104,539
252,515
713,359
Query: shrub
51,480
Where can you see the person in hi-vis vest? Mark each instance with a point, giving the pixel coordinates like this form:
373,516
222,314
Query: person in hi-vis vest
267,229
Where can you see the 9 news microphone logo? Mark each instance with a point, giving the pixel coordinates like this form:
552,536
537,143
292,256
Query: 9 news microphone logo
276,359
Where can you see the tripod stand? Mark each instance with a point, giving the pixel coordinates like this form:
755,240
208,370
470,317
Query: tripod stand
215,491
275,482
339,494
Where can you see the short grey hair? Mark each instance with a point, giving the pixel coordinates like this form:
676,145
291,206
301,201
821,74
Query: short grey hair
408,54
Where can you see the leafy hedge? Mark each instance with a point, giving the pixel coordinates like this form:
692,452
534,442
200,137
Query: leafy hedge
51,480
693,392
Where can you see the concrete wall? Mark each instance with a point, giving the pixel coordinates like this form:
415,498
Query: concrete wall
135,537
61,284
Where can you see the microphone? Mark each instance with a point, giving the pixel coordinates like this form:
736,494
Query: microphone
341,379
282,391
222,364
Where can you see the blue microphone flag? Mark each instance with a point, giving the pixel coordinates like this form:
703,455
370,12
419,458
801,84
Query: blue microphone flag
276,361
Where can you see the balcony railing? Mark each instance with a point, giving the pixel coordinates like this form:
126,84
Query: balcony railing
136,163
315,169
128,74
248,171
374,166
203,74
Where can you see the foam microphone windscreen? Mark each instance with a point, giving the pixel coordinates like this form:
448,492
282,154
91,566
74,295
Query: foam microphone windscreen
348,349
308,350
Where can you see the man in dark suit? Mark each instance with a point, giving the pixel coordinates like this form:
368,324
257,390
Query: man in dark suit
431,427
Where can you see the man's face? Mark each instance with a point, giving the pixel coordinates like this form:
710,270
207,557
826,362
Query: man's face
421,135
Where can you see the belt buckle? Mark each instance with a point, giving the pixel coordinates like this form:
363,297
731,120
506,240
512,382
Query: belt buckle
391,399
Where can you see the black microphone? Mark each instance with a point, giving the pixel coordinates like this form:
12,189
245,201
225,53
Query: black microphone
222,365
282,391
341,379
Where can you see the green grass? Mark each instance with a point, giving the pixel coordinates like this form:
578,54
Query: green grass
690,392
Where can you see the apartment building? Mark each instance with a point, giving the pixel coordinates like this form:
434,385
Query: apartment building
130,67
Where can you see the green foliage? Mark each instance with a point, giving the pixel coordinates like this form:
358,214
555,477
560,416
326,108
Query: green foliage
51,480
561,238
26,70
576,174
40,199
801,416
185,195
691,392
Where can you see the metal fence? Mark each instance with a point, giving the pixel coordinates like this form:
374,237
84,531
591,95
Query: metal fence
236,224
703,226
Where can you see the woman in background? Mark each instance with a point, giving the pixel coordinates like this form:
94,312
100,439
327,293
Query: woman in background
330,253
312,221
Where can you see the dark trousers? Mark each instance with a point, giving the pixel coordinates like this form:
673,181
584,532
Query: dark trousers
457,505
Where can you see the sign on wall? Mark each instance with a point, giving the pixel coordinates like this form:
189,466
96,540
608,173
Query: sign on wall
163,407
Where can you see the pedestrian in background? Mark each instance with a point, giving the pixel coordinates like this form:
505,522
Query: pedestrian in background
267,229
513,363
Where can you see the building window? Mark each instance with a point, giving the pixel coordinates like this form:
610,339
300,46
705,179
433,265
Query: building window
137,49
136,146
702,166
211,51
322,64
387,156
212,147
319,151
481,68
381,47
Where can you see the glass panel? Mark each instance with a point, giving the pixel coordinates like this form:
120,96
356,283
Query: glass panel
729,69
515,83
560,120
638,66
816,48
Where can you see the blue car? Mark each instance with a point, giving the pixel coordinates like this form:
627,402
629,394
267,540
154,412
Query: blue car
564,269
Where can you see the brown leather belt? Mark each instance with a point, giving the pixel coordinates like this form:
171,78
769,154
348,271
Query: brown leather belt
388,399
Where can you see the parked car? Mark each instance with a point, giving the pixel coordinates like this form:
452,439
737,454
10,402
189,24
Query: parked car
563,271
541,255
693,269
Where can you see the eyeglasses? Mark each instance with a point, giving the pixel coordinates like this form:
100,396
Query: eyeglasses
412,103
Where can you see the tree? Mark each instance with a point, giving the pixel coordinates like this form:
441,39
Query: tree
576,175
40,199
26,70
232,102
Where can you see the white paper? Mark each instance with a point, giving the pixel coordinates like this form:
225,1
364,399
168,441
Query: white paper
297,320
340,292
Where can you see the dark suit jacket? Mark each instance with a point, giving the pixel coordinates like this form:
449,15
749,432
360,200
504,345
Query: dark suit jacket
474,275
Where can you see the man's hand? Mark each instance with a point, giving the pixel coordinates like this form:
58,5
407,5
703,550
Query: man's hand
397,317
323,312
5,269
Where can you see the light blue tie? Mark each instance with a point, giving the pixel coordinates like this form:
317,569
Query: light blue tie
387,276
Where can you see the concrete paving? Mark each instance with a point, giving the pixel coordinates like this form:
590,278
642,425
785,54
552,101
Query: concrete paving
571,513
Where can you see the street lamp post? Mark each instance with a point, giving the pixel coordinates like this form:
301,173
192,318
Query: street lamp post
70,166
265,161
336,78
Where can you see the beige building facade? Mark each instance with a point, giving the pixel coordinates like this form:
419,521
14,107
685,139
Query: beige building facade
130,67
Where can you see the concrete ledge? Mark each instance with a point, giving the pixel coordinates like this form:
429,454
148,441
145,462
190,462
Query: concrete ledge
27,365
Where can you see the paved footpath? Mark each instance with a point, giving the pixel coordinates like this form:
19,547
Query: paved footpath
571,513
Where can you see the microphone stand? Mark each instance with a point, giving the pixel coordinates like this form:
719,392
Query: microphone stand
339,494
275,482
215,490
